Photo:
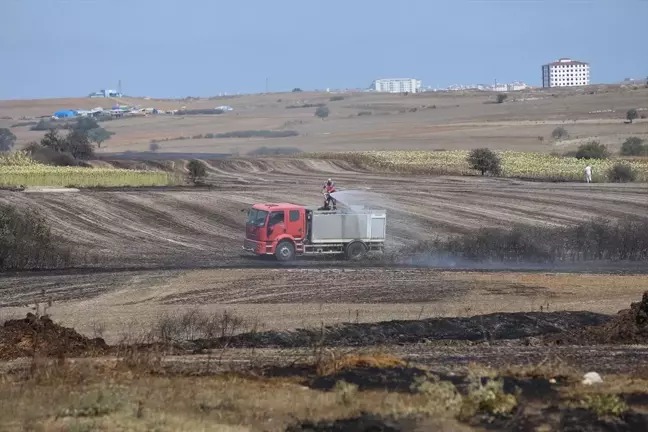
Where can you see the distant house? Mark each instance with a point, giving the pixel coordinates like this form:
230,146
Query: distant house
65,114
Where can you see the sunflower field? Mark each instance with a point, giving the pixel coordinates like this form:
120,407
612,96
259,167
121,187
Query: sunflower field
17,168
514,164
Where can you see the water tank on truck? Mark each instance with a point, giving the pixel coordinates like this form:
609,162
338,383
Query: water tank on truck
286,231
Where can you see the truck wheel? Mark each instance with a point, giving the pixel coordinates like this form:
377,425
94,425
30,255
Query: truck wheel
285,251
355,250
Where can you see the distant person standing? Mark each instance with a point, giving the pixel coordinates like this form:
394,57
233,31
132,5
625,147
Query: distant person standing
588,174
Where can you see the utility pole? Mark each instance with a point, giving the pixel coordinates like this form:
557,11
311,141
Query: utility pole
119,87
266,85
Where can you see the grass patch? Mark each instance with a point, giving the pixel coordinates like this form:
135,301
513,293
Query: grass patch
524,165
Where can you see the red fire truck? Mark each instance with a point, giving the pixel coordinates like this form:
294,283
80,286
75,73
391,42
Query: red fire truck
287,230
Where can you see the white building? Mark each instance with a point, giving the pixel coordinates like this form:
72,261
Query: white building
396,85
565,72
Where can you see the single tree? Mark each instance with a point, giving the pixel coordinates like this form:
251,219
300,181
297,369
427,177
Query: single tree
197,171
99,135
7,139
501,97
322,112
621,173
53,141
485,161
633,146
632,114
559,133
592,150
78,145
154,147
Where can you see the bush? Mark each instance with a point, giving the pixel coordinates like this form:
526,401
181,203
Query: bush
621,173
559,133
197,171
597,239
364,113
592,150
274,151
336,98
501,97
43,125
634,146
485,161
27,242
632,114
7,139
296,90
322,112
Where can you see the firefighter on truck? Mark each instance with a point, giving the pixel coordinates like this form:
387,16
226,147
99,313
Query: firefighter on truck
327,190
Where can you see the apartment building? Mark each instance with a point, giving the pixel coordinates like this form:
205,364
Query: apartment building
396,85
565,72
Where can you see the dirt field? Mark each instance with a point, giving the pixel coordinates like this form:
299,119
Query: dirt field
424,121
151,254
161,251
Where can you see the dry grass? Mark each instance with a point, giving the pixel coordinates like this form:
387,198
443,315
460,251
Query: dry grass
63,396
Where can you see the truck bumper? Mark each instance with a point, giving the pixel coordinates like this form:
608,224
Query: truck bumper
257,247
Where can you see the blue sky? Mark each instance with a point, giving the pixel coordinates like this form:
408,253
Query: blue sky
176,48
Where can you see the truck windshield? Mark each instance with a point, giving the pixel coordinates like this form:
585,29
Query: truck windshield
257,217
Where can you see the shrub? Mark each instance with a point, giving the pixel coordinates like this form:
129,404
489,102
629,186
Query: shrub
501,97
364,113
484,160
604,405
7,139
43,125
634,146
592,150
336,98
322,112
154,147
559,133
27,242
296,90
621,173
597,239
197,171
540,138
632,114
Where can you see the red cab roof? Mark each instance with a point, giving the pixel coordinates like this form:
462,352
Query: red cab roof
277,206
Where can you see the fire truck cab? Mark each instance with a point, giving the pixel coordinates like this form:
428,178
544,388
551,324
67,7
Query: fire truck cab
287,230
